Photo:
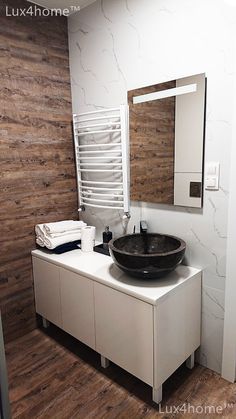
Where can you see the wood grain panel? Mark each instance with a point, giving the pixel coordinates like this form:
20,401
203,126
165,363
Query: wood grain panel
152,136
37,176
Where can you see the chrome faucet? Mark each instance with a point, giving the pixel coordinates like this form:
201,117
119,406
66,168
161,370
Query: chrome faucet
143,227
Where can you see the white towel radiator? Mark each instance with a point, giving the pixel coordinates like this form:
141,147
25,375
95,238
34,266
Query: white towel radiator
102,163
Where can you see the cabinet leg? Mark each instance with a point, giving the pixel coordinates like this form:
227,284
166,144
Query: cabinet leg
190,361
104,362
46,323
157,394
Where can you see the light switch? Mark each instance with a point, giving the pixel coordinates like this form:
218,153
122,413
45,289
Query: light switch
211,169
212,176
210,182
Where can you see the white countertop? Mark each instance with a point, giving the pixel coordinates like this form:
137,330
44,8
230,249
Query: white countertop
102,269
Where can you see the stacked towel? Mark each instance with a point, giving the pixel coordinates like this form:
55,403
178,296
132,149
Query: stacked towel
52,235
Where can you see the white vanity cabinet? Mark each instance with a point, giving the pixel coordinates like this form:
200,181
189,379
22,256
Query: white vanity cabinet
124,331
47,290
65,299
77,306
148,328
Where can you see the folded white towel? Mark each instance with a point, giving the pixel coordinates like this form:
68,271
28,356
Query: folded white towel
63,226
52,242
39,230
65,233
40,241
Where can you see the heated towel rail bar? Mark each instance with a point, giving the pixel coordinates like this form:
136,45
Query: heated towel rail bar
102,163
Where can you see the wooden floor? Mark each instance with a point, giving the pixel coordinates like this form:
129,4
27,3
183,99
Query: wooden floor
51,375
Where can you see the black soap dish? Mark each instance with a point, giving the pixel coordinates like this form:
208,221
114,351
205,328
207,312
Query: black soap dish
100,249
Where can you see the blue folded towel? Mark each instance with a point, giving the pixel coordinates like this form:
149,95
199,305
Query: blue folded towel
66,247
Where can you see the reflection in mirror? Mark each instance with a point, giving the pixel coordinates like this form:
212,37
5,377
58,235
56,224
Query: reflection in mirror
167,141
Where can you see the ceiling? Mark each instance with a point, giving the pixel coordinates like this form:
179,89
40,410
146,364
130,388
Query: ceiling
63,4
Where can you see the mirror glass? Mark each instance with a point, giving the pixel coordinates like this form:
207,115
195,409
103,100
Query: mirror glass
167,123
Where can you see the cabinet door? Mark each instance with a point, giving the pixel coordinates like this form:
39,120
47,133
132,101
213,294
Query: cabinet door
47,290
124,331
177,328
77,305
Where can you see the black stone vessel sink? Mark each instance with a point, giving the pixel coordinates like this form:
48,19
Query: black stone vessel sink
147,255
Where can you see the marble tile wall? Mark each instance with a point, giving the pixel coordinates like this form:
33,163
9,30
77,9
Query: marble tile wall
118,45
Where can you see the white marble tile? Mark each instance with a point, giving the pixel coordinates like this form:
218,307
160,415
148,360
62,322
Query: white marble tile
118,45
210,354
112,218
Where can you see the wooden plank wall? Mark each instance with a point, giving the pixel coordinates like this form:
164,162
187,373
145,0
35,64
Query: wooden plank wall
37,173
152,137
